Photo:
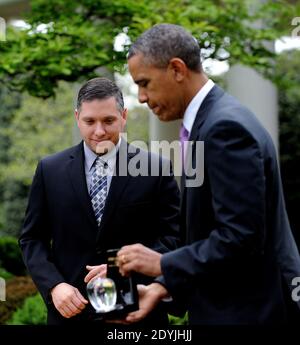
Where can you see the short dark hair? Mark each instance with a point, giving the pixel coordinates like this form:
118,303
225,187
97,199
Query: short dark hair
163,42
99,88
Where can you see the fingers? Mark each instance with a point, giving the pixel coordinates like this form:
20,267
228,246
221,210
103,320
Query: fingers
82,301
126,258
68,300
149,297
130,249
119,322
133,265
91,275
66,311
135,316
140,259
140,314
89,268
94,271
74,306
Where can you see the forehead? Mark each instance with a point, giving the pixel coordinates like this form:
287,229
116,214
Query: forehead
139,69
106,105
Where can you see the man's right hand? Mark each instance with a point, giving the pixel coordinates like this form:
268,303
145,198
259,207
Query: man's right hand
95,271
68,300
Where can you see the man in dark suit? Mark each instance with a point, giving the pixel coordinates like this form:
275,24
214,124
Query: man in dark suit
76,212
239,247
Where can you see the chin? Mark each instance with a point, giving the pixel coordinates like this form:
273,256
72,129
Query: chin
101,150
104,147
166,117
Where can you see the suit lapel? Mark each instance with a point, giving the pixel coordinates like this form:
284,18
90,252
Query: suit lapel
215,93
202,114
78,179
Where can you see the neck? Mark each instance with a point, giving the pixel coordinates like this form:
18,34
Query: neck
196,82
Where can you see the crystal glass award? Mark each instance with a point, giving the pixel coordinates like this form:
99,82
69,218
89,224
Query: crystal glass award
115,296
102,294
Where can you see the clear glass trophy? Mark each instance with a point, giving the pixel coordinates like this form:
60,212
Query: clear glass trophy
102,294
113,296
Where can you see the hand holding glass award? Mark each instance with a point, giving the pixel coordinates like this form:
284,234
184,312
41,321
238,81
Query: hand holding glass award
115,296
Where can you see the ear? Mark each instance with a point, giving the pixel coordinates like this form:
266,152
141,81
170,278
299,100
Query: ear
124,114
76,113
178,68
124,118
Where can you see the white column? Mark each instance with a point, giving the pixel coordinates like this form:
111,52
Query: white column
256,93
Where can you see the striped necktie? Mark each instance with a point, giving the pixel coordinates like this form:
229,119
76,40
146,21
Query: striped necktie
98,188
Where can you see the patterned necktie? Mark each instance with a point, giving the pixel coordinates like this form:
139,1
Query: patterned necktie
98,189
183,136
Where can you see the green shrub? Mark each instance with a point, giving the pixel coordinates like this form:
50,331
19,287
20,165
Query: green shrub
4,274
32,312
10,256
174,320
17,289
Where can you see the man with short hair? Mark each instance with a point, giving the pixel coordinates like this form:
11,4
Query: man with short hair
239,244
85,200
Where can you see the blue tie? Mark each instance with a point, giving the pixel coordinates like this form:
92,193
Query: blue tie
98,188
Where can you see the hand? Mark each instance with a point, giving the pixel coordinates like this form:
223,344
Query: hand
149,297
68,300
95,271
139,258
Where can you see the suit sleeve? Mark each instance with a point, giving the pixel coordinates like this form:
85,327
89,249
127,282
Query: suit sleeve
235,174
35,239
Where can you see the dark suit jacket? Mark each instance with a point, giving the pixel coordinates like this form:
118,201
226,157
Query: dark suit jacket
60,234
239,243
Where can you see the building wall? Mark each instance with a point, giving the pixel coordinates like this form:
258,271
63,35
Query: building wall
13,9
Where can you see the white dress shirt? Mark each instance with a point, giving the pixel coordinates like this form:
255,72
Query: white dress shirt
193,107
109,158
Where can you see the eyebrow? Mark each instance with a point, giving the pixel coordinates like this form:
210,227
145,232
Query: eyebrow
90,117
139,81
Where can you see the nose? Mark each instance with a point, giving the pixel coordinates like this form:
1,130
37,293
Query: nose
142,95
99,130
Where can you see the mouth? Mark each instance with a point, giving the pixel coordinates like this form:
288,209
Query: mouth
98,141
155,109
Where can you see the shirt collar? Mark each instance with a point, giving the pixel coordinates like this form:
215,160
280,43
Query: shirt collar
193,107
110,157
